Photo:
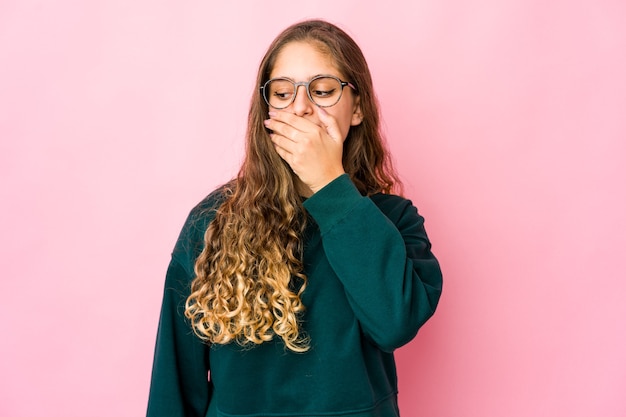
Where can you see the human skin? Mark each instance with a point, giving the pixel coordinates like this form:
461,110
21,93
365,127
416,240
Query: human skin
310,138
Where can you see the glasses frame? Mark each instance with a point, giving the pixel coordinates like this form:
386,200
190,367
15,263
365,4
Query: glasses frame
306,85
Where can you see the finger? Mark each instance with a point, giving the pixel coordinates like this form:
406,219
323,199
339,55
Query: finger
281,128
283,143
286,156
331,126
297,122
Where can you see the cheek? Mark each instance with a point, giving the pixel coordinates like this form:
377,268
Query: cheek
344,118
344,128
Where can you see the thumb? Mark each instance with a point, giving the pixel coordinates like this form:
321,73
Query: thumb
330,124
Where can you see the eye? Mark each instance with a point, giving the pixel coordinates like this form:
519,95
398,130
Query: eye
324,87
282,95
322,93
280,90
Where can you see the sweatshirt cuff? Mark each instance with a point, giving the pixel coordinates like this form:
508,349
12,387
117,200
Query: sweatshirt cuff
333,202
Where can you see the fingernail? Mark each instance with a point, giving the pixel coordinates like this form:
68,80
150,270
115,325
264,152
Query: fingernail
266,122
272,113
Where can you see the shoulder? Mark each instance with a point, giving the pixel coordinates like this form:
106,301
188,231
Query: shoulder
394,206
190,241
202,214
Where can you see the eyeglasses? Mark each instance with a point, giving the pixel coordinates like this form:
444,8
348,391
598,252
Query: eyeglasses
323,90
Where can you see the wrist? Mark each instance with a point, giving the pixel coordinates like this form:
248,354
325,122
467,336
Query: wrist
316,187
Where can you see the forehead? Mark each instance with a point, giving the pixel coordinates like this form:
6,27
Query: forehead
301,61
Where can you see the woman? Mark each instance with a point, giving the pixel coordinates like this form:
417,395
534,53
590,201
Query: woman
292,285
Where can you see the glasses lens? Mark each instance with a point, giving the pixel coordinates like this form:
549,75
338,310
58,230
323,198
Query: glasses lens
325,91
279,93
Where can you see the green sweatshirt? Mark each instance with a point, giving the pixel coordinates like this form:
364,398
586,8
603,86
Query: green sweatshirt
372,282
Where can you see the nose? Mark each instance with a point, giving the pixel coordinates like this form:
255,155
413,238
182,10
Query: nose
302,105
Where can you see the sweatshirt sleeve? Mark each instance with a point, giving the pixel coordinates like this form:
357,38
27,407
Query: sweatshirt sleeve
390,276
179,385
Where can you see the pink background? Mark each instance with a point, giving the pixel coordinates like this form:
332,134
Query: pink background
507,119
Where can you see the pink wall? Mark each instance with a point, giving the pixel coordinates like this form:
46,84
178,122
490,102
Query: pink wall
508,123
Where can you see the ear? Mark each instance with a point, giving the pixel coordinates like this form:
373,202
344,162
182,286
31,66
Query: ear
357,115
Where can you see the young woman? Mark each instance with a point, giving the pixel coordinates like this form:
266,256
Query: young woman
290,287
